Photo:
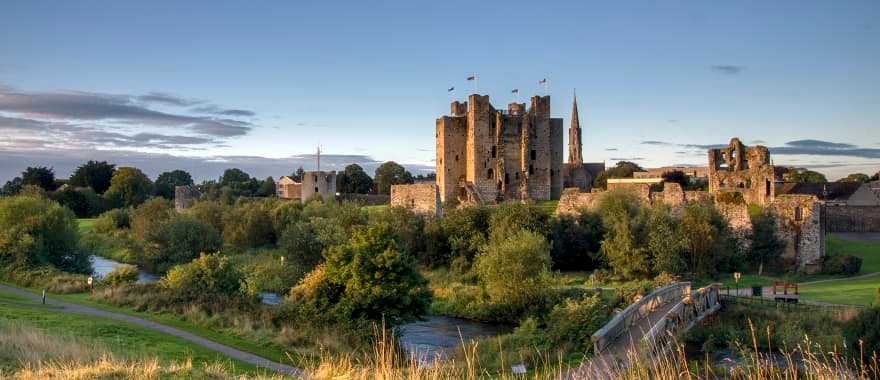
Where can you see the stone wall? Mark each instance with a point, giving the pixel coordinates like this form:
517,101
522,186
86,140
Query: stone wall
799,222
852,218
318,183
365,199
573,201
737,215
742,169
421,197
185,196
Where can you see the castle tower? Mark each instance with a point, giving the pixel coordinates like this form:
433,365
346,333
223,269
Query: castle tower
575,149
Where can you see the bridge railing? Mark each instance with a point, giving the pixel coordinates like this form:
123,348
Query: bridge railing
692,309
634,313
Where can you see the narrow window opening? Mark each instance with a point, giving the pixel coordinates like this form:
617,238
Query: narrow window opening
798,214
489,174
494,152
531,169
534,154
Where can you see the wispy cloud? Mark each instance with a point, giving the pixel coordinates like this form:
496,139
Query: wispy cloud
627,158
728,69
167,99
611,149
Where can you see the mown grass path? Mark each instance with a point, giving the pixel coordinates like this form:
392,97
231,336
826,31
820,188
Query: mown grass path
192,338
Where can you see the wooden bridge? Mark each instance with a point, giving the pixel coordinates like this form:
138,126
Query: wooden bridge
648,325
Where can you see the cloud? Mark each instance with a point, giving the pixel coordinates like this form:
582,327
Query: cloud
819,144
757,142
655,142
167,99
728,69
627,158
611,149
825,148
12,162
216,110
75,106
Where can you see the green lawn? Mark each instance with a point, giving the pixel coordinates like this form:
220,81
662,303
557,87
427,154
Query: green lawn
847,291
85,225
121,338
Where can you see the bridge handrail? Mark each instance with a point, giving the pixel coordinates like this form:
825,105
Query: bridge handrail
688,311
638,310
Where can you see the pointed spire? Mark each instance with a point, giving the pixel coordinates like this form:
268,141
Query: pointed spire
575,154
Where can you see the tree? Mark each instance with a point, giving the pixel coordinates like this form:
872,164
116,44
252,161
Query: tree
37,231
150,216
12,187
40,176
623,169
354,180
298,174
622,217
301,245
876,176
248,226
83,201
240,183
210,277
129,187
766,246
515,270
94,174
390,173
862,333
511,217
802,175
466,229
856,177
167,181
368,278
663,245
576,241
179,240
705,239
677,176
267,188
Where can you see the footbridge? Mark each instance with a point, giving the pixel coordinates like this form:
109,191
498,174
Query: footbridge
649,324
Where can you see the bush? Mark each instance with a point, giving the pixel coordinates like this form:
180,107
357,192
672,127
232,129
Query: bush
150,216
84,202
864,329
406,227
766,246
624,221
128,187
46,277
248,226
515,271
367,278
300,244
571,324
177,241
285,214
465,228
511,217
842,264
36,232
204,278
272,275
208,212
112,220
576,241
122,275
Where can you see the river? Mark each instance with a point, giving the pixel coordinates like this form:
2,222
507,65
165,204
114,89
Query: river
437,337
102,266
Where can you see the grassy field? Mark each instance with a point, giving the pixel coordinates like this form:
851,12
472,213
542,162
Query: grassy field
85,225
122,339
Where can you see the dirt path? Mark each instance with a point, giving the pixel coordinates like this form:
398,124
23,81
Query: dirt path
226,350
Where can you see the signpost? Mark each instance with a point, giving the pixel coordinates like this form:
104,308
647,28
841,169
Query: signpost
736,277
90,281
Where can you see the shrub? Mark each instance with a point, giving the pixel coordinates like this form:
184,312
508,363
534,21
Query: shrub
272,275
84,202
285,214
128,187
367,278
300,244
571,324
37,231
511,217
406,227
623,218
842,264
705,237
208,212
179,240
122,275
515,271
766,246
663,244
150,216
248,226
864,329
576,241
465,229
112,220
202,279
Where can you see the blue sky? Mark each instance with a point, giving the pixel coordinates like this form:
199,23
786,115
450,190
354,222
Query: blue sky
216,81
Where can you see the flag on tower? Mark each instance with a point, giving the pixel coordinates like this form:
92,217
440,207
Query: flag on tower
472,77
542,81
514,91
451,89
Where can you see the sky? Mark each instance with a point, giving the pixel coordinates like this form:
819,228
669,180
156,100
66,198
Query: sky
205,85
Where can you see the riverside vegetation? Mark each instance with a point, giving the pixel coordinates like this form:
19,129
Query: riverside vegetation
346,269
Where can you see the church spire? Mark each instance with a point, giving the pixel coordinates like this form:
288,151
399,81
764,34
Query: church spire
575,153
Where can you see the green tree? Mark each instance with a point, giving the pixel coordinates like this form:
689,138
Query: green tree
239,182
298,174
862,333
179,240
515,270
267,188
623,169
37,231
766,246
576,241
705,239
466,229
40,176
375,280
856,177
209,212
510,217
84,202
677,176
622,217
248,226
802,175
390,173
354,180
150,216
94,174
129,187
663,245
301,245
210,277
12,187
167,181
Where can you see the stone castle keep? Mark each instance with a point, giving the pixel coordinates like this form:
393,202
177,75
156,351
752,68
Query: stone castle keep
486,155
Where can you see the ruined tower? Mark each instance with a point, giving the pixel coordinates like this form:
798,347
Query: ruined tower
575,152
485,155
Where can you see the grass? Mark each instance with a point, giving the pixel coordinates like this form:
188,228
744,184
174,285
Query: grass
121,338
86,224
547,205
850,291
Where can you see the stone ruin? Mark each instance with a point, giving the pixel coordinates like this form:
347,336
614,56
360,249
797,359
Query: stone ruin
743,170
185,196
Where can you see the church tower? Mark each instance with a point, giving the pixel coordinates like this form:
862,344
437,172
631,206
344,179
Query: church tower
575,153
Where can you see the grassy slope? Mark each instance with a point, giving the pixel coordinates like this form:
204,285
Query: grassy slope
121,338
849,291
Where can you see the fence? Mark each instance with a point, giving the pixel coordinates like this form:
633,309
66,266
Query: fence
692,309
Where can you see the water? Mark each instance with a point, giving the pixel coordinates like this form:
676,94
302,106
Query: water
437,337
272,299
102,266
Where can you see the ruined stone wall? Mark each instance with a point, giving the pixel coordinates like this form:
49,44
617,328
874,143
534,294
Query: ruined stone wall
509,175
556,151
539,148
365,199
451,153
185,196
737,215
421,197
852,218
799,222
641,190
481,136
741,169
572,201
319,183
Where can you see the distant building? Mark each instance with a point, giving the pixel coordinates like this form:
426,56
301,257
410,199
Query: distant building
314,183
576,173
